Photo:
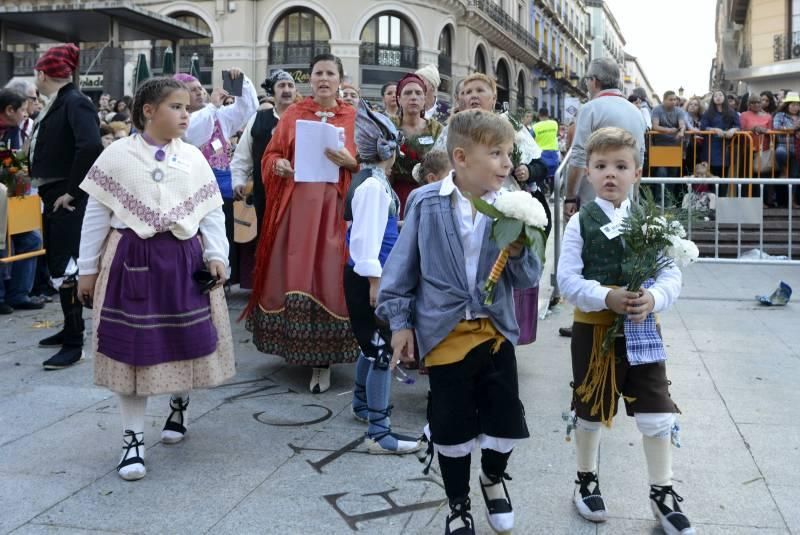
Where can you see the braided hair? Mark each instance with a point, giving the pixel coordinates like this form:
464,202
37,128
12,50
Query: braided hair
153,91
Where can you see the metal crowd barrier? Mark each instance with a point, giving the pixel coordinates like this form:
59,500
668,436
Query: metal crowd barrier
741,211
742,154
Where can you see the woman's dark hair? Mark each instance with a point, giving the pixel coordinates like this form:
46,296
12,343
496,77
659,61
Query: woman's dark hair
121,117
784,108
744,103
9,97
328,57
773,105
153,91
727,113
128,101
386,86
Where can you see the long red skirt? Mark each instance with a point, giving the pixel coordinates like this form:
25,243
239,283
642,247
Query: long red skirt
302,315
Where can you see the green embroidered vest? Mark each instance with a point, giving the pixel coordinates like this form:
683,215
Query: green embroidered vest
603,259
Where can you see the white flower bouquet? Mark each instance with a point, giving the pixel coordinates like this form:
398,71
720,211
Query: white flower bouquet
653,241
515,215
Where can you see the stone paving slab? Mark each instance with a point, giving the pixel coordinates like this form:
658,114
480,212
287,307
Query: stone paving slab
263,455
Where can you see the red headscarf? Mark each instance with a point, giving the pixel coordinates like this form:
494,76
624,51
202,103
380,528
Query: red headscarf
59,61
410,78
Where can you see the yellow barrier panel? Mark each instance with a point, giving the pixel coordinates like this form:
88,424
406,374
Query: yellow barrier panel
24,215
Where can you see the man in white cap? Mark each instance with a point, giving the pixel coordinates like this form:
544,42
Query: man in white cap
434,109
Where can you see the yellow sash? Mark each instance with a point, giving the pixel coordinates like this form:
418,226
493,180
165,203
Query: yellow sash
465,337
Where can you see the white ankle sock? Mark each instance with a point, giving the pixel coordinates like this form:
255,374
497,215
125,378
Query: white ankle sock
587,442
132,409
658,452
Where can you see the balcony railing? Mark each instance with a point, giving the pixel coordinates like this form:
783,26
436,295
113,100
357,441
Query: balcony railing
296,53
445,65
786,46
504,20
24,62
388,56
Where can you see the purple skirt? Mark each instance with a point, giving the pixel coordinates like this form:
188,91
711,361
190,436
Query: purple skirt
153,310
526,306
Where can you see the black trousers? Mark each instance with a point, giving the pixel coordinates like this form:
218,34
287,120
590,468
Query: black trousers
62,228
362,315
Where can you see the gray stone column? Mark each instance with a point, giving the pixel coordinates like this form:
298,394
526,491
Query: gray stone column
114,71
6,67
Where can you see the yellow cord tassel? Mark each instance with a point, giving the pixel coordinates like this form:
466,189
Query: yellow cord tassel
494,275
602,373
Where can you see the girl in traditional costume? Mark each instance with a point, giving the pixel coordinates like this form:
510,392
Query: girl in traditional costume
373,208
153,258
297,309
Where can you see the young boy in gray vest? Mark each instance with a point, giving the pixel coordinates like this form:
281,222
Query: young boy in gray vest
433,284
591,276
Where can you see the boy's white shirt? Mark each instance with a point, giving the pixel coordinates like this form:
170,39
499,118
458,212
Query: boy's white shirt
471,230
589,295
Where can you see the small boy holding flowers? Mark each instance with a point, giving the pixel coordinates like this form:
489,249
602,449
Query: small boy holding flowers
595,272
434,283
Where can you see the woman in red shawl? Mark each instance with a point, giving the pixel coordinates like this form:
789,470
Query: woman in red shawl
297,309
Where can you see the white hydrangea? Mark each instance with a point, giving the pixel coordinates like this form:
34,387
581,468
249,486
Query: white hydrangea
683,252
677,229
522,206
660,222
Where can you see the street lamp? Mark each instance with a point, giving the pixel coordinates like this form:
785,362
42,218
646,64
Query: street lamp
574,79
543,82
680,91
559,74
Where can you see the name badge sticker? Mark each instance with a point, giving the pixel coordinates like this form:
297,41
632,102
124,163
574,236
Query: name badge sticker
426,140
179,164
612,230
216,145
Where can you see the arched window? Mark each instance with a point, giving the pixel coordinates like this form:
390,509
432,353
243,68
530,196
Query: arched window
446,52
298,36
480,60
521,92
186,48
389,41
503,93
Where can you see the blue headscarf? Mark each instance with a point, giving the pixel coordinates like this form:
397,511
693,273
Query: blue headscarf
376,135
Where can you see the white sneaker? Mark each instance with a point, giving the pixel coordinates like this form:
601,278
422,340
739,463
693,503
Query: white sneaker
320,380
131,465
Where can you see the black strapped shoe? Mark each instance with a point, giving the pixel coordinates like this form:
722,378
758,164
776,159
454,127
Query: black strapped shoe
673,521
588,499
459,510
132,441
499,511
174,432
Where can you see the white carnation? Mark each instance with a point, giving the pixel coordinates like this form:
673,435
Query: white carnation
660,221
683,252
522,206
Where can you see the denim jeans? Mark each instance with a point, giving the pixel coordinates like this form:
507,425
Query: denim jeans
16,289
